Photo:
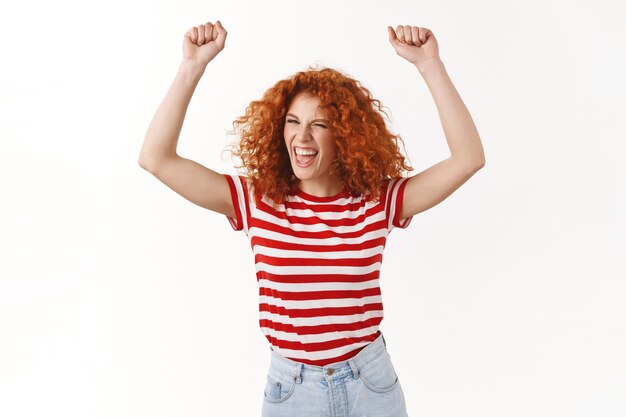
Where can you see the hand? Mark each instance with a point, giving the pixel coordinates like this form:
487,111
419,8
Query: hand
415,44
202,43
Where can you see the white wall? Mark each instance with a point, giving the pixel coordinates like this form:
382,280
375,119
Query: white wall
120,298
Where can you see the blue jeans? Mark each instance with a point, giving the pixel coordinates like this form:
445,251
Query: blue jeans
364,386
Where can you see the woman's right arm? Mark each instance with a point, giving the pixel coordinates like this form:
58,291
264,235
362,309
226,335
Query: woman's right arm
195,182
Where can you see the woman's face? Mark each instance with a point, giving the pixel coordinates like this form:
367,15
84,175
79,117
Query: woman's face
310,143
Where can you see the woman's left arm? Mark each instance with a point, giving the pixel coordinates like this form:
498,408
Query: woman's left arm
433,185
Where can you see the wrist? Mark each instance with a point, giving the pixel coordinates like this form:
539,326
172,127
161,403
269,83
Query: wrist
191,70
192,67
429,64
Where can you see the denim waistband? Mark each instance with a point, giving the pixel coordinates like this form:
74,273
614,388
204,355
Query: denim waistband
280,365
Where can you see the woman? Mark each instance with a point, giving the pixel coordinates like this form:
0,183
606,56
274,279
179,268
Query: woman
322,189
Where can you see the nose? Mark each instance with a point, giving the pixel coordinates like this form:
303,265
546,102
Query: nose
304,133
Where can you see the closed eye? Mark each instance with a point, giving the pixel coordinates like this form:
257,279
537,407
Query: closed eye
295,121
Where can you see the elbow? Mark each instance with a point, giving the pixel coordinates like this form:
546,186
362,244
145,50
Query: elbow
143,163
152,163
479,161
474,164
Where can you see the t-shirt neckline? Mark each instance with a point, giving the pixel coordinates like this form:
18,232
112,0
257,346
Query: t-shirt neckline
342,194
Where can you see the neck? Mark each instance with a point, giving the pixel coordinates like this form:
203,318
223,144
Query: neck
325,189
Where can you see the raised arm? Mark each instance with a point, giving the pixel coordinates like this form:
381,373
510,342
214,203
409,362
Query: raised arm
195,182
433,185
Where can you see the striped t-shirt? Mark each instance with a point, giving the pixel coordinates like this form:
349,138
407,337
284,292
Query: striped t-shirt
317,264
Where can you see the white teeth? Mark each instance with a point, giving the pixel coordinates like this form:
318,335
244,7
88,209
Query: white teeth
300,151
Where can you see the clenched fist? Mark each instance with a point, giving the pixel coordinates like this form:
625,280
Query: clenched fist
415,44
202,43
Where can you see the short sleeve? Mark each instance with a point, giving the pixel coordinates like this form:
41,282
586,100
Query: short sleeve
239,195
393,204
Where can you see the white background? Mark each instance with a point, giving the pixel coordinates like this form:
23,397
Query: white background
118,297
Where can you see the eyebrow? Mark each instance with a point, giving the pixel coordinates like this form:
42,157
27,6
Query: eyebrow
316,120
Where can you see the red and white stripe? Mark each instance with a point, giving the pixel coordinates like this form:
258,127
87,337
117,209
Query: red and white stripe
317,262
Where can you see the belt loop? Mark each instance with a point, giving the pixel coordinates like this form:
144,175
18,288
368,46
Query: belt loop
383,337
298,373
355,369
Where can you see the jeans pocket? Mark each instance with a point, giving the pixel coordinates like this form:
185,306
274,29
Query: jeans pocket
379,375
279,388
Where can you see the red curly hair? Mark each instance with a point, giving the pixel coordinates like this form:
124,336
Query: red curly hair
367,153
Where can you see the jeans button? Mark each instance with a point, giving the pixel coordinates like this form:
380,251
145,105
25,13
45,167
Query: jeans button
330,371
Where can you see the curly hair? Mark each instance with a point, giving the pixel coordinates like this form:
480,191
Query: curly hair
367,153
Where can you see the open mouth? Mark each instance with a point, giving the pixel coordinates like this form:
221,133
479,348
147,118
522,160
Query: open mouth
304,156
